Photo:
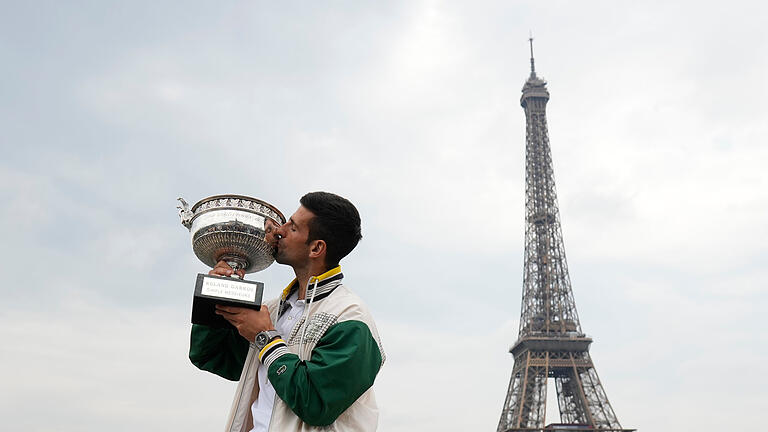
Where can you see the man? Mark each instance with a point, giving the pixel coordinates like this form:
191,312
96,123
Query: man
307,360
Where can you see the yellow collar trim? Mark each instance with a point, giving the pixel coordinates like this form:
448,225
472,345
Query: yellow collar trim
330,273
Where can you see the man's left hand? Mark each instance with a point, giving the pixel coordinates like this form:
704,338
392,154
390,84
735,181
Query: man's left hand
248,322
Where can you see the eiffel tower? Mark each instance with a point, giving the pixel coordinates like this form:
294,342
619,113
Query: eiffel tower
550,342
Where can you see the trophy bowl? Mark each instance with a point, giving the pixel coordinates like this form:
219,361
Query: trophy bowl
235,228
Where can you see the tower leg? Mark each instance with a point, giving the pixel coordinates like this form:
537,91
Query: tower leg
580,395
526,401
600,410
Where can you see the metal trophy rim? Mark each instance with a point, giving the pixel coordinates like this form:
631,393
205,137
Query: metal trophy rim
194,208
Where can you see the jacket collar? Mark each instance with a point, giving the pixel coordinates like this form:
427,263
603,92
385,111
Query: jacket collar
326,283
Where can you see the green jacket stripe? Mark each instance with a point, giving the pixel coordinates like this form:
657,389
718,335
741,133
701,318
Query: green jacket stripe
343,365
219,351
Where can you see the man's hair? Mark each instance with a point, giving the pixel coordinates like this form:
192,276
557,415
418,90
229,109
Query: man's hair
336,221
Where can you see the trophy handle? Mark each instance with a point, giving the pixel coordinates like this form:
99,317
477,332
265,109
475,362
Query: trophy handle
185,213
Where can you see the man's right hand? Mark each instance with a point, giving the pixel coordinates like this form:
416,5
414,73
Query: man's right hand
223,269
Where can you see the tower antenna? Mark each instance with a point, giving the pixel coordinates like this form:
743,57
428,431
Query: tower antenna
530,40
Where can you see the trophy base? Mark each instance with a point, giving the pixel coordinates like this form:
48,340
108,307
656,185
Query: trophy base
228,291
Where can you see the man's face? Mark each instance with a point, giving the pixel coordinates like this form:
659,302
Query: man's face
292,248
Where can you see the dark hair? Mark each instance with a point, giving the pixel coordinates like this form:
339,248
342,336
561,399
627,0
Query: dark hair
336,221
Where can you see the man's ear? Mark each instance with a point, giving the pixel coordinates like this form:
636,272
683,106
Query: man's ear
318,249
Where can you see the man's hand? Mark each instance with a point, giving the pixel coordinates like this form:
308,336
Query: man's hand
223,269
248,322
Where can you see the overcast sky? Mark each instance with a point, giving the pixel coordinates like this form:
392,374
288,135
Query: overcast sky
658,124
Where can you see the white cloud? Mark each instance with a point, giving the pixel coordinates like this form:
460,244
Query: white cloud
90,366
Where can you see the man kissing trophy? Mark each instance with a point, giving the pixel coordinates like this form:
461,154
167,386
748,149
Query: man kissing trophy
240,231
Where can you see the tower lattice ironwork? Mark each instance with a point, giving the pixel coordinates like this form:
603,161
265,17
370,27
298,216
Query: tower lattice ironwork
550,342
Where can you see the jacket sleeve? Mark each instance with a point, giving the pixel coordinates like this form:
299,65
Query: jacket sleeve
342,367
219,351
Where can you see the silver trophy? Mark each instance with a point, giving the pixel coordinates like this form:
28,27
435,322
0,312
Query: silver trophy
239,230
